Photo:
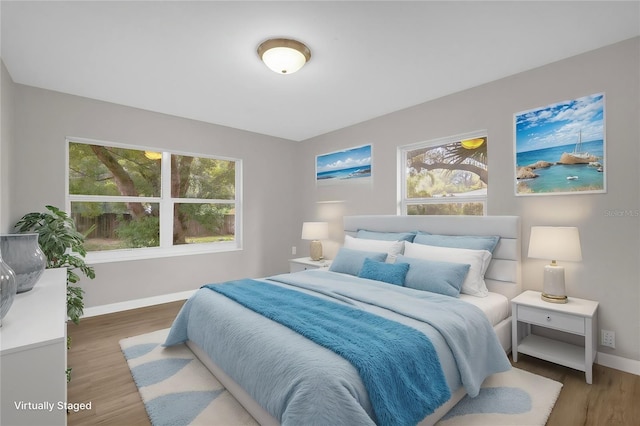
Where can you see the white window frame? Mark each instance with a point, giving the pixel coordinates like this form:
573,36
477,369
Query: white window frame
166,202
404,201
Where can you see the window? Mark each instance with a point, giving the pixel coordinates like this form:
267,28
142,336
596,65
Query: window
136,203
446,176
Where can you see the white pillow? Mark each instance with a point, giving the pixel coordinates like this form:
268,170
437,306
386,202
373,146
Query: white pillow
473,284
392,248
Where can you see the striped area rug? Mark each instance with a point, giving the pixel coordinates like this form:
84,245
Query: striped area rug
177,389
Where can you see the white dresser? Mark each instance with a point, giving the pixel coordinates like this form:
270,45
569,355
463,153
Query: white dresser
33,347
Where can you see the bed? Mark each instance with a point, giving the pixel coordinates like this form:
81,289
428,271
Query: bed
282,377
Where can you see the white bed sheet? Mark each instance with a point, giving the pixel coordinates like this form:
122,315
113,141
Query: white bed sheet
495,306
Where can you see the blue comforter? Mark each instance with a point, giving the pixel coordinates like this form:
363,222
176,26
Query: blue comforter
300,382
398,364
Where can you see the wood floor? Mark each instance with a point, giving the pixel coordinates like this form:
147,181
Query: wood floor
100,375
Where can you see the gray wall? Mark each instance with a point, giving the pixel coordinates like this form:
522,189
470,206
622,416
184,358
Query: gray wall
609,272
6,135
44,118
280,190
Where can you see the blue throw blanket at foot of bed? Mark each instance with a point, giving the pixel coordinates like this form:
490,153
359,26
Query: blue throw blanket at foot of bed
398,364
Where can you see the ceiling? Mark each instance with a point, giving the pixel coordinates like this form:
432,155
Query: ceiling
198,59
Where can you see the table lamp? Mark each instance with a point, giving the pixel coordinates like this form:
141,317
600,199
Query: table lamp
554,243
315,231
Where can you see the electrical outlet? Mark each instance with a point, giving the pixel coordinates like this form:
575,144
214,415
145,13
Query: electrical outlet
294,249
609,338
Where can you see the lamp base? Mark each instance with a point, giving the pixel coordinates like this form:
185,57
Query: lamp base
553,286
315,250
554,299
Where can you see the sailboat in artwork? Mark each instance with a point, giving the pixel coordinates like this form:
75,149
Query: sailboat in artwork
577,156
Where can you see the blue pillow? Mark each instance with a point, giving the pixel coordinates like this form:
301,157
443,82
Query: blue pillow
386,236
392,273
435,276
349,261
472,242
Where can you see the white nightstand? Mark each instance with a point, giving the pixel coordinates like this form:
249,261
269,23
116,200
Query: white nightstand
578,316
304,263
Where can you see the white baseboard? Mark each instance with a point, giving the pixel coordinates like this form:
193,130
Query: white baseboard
619,363
137,303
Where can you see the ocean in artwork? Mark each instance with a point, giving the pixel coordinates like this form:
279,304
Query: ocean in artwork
582,177
353,172
347,165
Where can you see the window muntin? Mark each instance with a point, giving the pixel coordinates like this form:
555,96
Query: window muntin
140,204
444,176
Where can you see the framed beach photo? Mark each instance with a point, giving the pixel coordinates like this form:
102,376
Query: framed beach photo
349,165
560,148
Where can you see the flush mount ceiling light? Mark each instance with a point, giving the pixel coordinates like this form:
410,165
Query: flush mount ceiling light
283,55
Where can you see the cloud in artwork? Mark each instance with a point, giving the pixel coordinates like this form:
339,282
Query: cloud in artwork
347,163
561,123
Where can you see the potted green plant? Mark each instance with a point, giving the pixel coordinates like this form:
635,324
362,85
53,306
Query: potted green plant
63,245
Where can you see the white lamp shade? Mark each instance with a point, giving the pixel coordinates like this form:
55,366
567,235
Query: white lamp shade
315,230
555,243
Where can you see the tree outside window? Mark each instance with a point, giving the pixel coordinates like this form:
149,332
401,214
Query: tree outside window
445,177
141,199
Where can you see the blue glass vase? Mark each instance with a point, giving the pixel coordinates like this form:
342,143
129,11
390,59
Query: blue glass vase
8,287
23,254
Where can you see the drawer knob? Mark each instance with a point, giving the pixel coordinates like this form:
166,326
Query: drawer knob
548,318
